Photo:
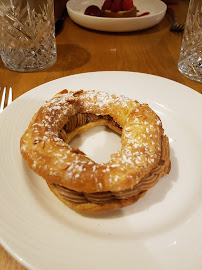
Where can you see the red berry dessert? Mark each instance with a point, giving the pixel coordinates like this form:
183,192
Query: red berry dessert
118,9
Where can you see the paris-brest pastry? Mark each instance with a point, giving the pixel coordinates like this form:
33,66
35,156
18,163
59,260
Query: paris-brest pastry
78,181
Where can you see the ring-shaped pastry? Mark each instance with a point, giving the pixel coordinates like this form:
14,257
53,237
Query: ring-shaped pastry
75,179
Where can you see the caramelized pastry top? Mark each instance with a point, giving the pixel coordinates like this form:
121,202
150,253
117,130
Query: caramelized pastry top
46,152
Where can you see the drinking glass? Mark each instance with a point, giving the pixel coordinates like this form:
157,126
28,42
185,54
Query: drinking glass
27,34
190,60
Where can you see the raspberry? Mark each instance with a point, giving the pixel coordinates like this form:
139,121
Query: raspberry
116,6
107,5
127,4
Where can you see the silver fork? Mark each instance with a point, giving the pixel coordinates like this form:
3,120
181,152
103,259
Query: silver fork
175,27
2,106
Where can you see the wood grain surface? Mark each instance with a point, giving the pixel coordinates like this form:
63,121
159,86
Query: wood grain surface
154,51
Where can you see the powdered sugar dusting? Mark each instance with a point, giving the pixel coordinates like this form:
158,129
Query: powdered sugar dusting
140,139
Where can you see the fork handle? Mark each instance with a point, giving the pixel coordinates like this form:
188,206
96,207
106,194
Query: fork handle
172,13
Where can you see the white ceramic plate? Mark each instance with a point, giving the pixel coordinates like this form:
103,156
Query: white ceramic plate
161,231
156,8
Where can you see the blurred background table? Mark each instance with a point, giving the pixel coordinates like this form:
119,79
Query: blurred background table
154,51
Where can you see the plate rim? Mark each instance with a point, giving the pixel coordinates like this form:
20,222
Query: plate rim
188,89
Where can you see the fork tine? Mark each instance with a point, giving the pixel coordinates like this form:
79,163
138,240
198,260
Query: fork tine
3,100
177,28
9,96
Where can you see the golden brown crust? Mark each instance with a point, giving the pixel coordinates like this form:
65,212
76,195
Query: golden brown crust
54,160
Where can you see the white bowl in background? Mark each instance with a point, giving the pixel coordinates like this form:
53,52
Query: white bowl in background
156,9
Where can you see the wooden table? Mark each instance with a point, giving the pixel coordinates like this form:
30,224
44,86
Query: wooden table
154,51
